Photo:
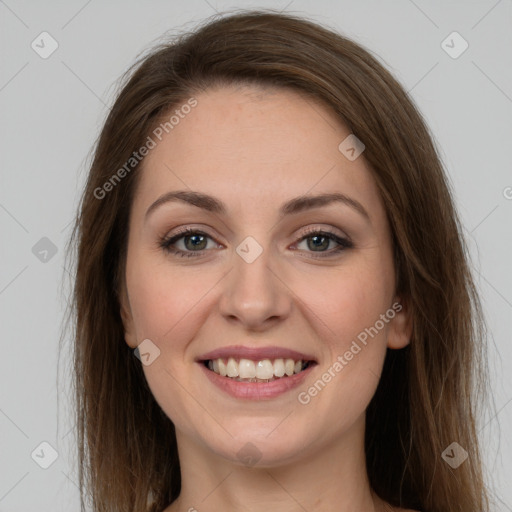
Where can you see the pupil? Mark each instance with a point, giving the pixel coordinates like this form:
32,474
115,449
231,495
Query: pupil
316,238
196,243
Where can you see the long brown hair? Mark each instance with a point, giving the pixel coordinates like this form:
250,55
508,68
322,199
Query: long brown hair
429,392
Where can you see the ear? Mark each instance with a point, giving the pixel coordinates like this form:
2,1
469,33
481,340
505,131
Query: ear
127,318
400,327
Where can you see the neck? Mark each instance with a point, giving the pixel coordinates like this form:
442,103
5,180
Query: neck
333,479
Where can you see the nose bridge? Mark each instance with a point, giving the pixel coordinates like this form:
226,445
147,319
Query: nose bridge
254,294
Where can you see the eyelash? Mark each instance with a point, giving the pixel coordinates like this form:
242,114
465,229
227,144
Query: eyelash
167,242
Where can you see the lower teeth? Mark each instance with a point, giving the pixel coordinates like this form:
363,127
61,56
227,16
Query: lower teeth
238,379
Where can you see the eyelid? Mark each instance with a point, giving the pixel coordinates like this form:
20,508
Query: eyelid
330,230
168,240
184,230
342,240
192,229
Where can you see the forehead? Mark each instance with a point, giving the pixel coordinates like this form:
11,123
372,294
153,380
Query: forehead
247,142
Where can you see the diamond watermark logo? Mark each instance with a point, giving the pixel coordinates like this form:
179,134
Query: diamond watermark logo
454,455
351,147
44,45
44,455
249,454
454,45
44,250
147,352
249,249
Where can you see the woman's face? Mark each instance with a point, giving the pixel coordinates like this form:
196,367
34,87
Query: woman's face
266,275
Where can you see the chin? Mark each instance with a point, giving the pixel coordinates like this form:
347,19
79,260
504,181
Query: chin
261,445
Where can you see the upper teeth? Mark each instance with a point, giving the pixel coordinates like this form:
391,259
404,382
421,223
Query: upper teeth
248,369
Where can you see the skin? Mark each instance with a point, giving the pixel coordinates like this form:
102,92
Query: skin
255,149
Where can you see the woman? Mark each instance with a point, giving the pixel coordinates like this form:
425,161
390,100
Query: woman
273,302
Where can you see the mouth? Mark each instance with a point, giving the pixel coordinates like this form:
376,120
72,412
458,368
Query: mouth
250,373
257,371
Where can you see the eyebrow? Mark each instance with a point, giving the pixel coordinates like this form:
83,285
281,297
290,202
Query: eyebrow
293,206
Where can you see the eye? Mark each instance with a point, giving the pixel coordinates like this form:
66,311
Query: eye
318,241
193,243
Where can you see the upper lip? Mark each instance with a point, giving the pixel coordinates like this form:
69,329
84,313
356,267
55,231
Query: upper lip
255,354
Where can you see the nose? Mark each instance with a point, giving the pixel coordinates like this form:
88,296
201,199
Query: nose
254,294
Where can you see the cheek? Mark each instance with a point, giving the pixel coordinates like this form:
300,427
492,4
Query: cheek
155,308
167,302
345,311
344,302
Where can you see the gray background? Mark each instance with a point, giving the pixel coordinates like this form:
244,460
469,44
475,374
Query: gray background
52,109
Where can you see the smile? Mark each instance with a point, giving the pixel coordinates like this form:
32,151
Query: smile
256,373
248,370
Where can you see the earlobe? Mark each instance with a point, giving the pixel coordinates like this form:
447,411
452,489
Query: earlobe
400,327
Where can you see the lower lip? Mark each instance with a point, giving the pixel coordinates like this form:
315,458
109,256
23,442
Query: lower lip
256,390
